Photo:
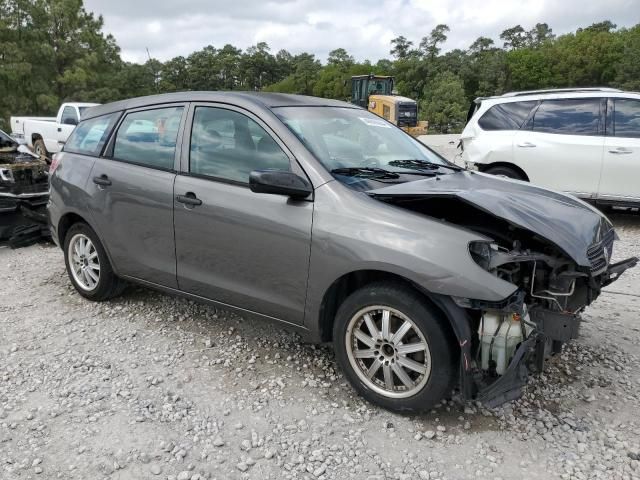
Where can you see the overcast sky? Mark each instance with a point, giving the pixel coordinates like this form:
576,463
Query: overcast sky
363,27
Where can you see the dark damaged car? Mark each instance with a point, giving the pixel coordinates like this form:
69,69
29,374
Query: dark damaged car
24,187
324,217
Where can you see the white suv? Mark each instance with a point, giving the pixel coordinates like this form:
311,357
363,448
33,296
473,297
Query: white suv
581,141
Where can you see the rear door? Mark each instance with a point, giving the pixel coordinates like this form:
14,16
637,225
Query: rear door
241,248
560,146
132,193
621,166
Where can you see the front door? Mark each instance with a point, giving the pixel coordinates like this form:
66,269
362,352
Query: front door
561,145
244,249
621,165
132,194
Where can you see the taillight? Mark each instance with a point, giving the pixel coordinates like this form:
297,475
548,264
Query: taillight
55,161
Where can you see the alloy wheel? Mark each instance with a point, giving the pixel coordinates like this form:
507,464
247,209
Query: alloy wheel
388,351
84,262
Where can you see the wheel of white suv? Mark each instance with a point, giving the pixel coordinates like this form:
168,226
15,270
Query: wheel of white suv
88,265
393,347
503,171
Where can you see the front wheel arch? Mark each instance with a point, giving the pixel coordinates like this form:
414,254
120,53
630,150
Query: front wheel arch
348,283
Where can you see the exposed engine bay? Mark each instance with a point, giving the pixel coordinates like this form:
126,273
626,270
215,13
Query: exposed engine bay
24,191
556,278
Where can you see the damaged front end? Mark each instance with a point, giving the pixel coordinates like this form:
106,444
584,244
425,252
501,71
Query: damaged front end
554,249
24,189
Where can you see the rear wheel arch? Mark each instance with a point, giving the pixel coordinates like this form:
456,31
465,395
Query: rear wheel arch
68,220
506,165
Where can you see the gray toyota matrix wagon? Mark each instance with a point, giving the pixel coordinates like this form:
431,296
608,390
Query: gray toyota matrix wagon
324,217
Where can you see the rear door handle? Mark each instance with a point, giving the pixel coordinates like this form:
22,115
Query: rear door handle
621,151
59,129
102,180
526,145
190,199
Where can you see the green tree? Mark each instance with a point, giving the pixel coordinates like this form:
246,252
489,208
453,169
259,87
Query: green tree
400,47
445,104
429,46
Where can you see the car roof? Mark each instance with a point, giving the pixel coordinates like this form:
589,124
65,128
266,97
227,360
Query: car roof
247,99
588,92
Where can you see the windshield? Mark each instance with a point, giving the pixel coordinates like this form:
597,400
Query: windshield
7,143
347,140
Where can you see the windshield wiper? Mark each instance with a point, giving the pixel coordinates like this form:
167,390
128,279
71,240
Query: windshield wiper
423,165
373,172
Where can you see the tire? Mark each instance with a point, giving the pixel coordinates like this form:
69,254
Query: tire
82,246
508,172
40,148
426,325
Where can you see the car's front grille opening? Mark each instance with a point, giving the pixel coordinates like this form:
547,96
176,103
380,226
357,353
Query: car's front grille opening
599,253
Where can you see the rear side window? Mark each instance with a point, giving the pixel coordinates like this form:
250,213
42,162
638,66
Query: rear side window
569,117
506,116
626,118
89,136
149,137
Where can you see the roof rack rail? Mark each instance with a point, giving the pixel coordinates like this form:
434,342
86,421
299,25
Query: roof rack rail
561,90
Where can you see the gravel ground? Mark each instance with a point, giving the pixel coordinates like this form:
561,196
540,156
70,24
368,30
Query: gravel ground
150,386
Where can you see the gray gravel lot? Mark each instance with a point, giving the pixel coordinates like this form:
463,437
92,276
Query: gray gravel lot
151,386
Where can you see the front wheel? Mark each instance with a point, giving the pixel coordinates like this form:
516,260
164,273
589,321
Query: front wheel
393,347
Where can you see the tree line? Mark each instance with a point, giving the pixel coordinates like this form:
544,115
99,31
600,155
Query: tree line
54,50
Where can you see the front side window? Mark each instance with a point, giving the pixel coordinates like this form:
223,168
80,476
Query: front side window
89,136
228,145
149,137
568,116
506,116
626,118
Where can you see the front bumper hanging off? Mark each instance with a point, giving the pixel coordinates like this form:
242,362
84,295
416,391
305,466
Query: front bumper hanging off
551,327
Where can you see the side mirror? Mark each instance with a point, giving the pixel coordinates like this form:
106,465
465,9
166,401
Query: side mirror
279,182
70,121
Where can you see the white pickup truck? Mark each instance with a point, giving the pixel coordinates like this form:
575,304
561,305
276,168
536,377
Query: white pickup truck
46,135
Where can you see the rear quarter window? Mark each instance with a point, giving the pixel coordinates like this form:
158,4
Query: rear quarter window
90,135
506,116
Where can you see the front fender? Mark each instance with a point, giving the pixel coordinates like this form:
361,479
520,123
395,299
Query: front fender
354,232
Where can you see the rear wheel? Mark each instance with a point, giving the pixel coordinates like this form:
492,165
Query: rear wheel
40,148
508,172
393,348
88,265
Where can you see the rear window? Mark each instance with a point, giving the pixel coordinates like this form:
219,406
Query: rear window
89,136
568,117
626,118
506,116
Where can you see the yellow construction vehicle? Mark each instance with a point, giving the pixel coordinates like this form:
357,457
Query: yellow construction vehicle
375,93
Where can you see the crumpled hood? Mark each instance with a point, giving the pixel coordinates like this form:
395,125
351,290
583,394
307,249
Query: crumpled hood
569,223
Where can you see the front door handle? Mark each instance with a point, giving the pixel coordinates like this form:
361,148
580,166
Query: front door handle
102,180
621,151
59,129
189,199
526,145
